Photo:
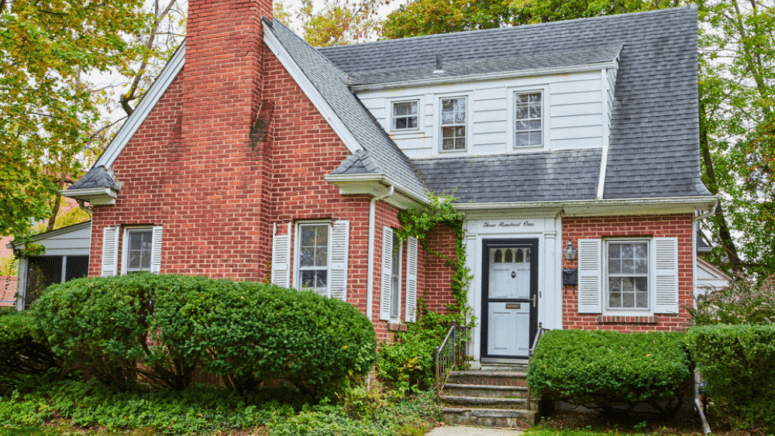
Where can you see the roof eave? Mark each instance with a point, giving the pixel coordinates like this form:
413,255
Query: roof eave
377,185
95,196
488,76
634,206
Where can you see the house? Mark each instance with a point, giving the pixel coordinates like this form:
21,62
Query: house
255,156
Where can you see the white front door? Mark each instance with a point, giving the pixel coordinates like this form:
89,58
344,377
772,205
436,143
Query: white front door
509,297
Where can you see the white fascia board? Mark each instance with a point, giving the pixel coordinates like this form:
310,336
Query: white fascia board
310,91
637,206
95,196
483,77
143,109
376,185
46,235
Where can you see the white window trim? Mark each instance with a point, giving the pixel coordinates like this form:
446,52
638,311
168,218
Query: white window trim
400,280
651,284
125,246
420,116
511,129
469,124
297,255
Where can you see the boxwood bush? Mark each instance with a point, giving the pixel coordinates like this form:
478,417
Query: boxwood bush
738,364
161,328
21,356
605,370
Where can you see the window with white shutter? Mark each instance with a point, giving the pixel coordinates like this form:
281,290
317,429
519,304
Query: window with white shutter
589,287
386,277
281,258
340,240
142,250
109,252
411,279
665,261
156,251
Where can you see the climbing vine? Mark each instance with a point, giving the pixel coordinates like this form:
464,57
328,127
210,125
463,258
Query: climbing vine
418,222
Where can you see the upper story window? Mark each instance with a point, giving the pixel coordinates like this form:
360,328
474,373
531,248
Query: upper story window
529,123
139,249
313,257
405,115
628,274
453,124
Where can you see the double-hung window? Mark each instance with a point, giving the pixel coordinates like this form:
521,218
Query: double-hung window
627,274
528,117
313,257
139,250
453,124
405,116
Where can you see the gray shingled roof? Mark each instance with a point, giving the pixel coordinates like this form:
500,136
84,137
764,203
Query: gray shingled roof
511,178
332,85
359,162
654,148
468,67
97,177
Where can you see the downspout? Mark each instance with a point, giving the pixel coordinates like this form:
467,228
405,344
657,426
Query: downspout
370,273
606,136
697,403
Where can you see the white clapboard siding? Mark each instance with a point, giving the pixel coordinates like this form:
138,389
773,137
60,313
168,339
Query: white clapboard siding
590,276
566,97
665,260
411,279
156,251
387,271
340,241
281,259
109,252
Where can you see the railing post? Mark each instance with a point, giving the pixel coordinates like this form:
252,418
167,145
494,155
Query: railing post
438,388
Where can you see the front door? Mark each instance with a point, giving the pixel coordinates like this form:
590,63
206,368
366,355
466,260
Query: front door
510,297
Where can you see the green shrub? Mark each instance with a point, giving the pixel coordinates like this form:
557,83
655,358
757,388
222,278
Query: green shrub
257,332
247,332
21,356
602,369
738,364
409,361
744,302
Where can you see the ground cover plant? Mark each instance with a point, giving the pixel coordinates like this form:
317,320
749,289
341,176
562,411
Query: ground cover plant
611,371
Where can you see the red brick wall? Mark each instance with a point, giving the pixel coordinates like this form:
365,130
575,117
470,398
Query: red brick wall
679,226
7,291
438,275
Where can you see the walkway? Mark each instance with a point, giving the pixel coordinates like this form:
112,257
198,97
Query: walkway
453,430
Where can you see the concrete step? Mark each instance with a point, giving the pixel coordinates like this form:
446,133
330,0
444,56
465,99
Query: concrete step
491,378
484,402
488,391
489,417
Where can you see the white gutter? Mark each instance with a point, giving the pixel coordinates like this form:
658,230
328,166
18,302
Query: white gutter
606,137
706,200
488,76
695,223
370,273
421,197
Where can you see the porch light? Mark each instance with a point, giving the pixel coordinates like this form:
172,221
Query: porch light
569,252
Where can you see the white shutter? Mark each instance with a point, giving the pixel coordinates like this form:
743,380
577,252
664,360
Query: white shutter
156,251
664,257
387,272
109,252
281,258
590,276
340,240
411,279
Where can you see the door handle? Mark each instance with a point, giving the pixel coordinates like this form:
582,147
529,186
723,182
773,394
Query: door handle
534,300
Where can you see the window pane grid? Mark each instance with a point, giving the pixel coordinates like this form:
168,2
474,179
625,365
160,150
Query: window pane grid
139,245
628,275
405,115
453,122
313,257
528,128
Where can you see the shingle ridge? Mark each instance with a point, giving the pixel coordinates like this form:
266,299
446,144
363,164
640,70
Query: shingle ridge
506,29
502,155
344,76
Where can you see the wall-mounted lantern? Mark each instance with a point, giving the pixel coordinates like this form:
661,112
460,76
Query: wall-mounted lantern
569,252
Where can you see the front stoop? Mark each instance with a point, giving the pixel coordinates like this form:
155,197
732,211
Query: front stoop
495,397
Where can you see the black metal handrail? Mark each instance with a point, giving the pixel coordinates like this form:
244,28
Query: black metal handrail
450,355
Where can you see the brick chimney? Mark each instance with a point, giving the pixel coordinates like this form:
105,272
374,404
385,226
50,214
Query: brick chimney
215,201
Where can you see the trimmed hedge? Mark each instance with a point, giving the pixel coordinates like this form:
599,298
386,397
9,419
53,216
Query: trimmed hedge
246,332
21,356
738,364
603,369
